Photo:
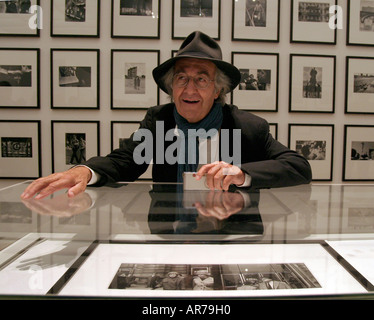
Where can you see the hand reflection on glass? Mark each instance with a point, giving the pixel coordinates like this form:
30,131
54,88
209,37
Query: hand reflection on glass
60,206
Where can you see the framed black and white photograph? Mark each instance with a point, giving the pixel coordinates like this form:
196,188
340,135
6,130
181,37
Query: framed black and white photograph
75,18
20,18
121,130
359,85
75,75
20,78
315,143
360,22
312,83
189,16
310,21
20,149
136,19
258,88
255,20
73,142
132,84
358,153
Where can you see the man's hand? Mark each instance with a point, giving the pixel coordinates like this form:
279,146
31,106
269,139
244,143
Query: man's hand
219,175
75,180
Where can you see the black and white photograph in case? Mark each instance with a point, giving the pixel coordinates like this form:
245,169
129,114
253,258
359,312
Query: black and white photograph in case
312,82
313,11
136,8
75,148
363,82
311,149
15,76
16,147
74,76
196,8
255,79
75,10
362,150
360,29
15,6
135,78
255,13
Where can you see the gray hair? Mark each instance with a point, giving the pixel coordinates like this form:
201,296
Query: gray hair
221,82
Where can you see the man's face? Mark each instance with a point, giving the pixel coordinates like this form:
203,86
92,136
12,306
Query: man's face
192,103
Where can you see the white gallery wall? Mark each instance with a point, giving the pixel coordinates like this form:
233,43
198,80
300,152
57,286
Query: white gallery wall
105,43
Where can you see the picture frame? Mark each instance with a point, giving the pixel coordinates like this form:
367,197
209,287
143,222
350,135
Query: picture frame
122,130
312,83
71,19
20,78
73,142
255,21
358,151
15,19
359,93
132,84
310,22
75,78
129,20
315,142
258,89
20,149
186,18
360,27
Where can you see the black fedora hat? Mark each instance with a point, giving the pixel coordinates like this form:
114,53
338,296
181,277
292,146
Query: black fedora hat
200,46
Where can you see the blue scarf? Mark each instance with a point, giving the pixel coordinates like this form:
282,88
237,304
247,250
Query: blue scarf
212,121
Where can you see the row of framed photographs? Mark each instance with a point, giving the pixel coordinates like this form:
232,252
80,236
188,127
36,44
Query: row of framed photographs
312,21
75,80
75,141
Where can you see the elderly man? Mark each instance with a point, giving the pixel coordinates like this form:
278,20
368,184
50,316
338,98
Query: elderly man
198,80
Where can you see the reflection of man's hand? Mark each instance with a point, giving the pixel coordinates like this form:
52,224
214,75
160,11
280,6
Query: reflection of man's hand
220,204
61,206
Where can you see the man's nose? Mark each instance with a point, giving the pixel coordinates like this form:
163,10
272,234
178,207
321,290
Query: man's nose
191,86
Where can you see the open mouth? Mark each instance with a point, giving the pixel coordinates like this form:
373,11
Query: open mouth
190,101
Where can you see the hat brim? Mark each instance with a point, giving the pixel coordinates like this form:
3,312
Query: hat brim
227,68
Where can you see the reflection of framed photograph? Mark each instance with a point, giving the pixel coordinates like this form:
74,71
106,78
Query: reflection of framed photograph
359,85
358,153
360,26
73,142
132,83
20,149
75,18
310,21
189,16
255,20
312,83
16,16
75,75
121,130
258,88
315,143
136,19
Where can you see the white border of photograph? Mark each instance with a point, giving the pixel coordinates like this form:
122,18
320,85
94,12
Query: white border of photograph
357,99
298,100
356,169
88,28
355,33
321,168
257,100
183,26
60,128
311,32
148,95
21,167
21,97
241,31
79,97
106,259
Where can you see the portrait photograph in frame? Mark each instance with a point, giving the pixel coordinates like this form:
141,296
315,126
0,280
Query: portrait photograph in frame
20,78
75,75
132,84
121,130
189,16
359,93
358,153
255,20
312,83
15,17
136,19
360,23
73,142
71,18
258,88
310,21
20,149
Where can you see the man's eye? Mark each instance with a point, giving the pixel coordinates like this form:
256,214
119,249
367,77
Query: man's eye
201,79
